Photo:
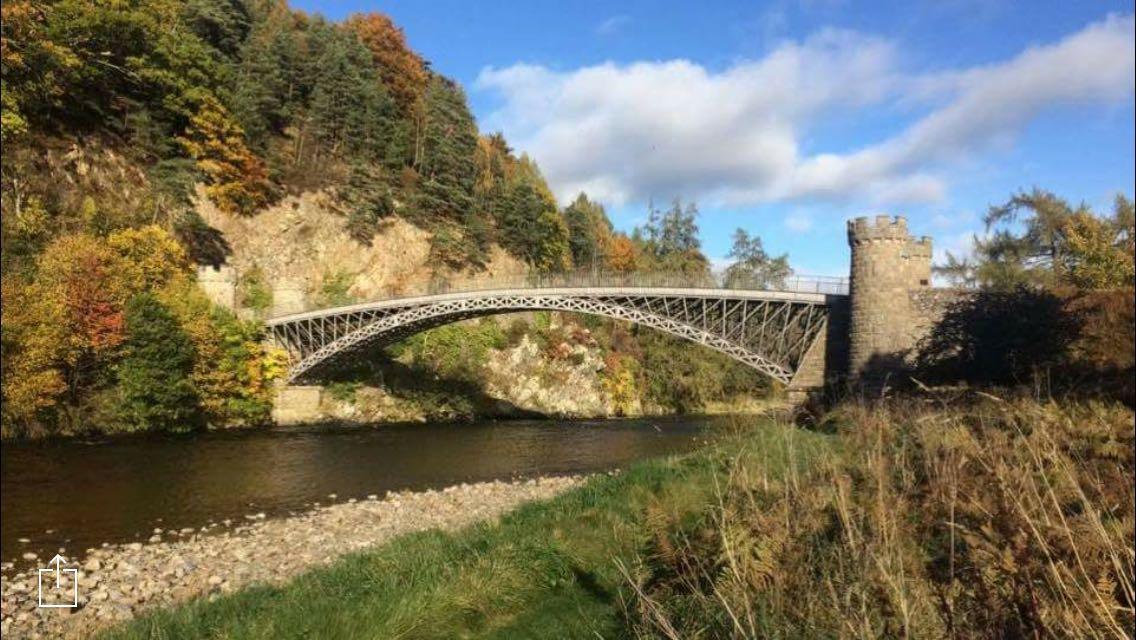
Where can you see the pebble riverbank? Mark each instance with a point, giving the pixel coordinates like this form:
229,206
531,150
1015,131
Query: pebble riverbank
117,582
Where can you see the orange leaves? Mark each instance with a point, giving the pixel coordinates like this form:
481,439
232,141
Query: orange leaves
78,275
68,323
93,312
621,254
403,71
237,179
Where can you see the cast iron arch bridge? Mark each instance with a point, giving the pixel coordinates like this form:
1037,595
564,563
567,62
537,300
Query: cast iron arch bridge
770,327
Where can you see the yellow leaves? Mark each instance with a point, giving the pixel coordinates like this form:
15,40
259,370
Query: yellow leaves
68,321
151,256
1095,259
30,382
31,219
274,364
619,383
237,179
232,370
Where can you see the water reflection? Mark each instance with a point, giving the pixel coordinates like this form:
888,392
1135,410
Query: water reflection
80,494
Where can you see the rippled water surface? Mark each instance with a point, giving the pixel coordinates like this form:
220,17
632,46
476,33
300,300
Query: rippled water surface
79,494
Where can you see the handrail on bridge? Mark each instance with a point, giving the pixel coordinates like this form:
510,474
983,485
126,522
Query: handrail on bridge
589,279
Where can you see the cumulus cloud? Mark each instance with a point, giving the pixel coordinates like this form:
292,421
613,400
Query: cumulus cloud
629,132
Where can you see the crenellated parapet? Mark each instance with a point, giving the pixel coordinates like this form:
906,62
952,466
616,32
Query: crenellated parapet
877,229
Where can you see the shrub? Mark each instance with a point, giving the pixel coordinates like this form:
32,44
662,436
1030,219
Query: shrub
253,291
455,351
988,519
154,375
998,337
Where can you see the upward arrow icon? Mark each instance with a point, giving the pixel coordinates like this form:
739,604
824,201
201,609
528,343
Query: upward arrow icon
57,561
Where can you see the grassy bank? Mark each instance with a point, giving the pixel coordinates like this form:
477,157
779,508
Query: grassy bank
973,518
546,570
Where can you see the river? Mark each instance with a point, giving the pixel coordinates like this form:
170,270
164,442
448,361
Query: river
77,494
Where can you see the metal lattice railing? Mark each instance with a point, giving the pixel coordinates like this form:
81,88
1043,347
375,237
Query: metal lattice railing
588,279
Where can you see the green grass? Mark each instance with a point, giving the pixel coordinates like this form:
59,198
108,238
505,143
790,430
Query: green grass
546,570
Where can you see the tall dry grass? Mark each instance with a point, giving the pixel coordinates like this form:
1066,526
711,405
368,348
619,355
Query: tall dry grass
982,518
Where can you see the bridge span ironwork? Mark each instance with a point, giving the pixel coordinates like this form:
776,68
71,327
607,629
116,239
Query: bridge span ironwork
770,327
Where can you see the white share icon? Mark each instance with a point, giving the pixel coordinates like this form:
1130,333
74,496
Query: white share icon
57,563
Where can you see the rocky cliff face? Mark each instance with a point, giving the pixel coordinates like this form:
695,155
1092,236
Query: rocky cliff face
568,384
565,381
302,241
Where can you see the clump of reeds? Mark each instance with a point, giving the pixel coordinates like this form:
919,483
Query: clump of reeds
980,518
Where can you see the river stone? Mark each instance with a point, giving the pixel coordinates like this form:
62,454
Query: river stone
282,548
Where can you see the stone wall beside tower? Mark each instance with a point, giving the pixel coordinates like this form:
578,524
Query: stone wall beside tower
288,296
887,266
219,283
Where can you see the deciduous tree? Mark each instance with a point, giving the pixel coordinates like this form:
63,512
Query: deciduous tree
237,178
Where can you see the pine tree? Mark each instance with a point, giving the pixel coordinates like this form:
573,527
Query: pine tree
368,198
403,71
351,110
753,268
449,141
154,375
589,231
670,242
265,85
531,228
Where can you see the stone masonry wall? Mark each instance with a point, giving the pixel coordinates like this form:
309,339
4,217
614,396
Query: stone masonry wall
928,307
219,283
825,362
887,266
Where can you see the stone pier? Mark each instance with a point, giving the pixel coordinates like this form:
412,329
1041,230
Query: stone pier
296,404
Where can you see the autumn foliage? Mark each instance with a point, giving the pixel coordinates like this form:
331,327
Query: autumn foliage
402,70
237,180
74,360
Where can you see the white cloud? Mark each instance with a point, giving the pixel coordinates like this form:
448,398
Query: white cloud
629,132
612,25
960,245
799,222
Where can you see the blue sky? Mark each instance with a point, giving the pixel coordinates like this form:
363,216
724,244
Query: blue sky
787,118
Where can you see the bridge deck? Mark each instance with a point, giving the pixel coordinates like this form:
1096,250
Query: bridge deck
707,292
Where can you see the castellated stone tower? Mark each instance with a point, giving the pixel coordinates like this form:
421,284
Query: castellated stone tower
888,265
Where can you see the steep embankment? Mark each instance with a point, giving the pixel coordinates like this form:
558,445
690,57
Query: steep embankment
302,242
301,247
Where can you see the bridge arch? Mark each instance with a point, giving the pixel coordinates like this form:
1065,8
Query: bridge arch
768,330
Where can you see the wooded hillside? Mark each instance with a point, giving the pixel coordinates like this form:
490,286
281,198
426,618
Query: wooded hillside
116,114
